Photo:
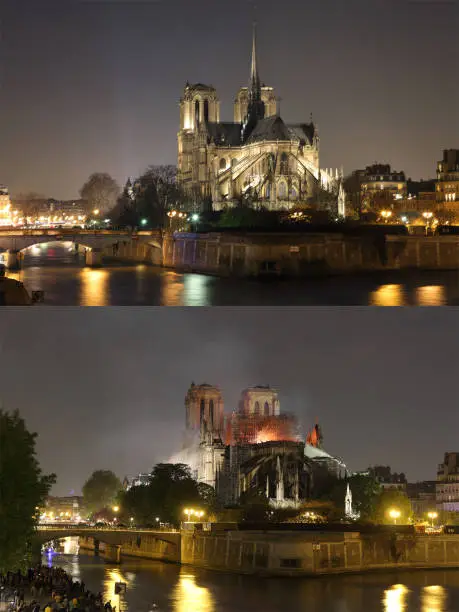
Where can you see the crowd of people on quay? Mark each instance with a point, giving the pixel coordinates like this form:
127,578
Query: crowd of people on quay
48,589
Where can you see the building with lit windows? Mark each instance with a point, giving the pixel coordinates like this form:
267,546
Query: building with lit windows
6,214
258,157
448,179
381,187
63,510
447,490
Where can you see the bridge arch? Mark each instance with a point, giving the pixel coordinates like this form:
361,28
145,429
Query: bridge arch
96,245
131,542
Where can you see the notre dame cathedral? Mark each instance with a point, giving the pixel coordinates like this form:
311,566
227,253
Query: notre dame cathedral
257,158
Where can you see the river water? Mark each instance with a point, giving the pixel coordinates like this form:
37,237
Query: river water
182,589
55,269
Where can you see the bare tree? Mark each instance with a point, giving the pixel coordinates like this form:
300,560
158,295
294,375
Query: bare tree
100,192
30,204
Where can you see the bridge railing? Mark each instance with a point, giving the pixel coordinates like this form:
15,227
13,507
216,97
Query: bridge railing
78,527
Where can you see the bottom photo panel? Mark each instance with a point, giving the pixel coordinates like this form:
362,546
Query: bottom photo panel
229,460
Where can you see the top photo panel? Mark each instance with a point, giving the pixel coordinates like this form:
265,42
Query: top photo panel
177,153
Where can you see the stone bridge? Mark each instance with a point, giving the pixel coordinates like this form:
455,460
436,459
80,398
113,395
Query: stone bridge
114,542
96,243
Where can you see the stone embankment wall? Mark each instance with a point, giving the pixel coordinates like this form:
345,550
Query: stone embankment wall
307,254
295,553
225,254
144,545
134,251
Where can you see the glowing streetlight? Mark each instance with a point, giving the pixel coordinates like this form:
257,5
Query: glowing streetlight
394,514
96,211
195,218
386,214
116,508
432,516
192,512
144,221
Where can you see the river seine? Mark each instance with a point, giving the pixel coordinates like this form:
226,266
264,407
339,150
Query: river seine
183,589
56,270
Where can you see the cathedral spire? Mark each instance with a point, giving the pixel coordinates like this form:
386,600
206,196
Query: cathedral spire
256,107
255,86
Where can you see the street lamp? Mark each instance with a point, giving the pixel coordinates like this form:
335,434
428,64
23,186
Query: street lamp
394,514
191,512
144,221
116,508
96,211
432,516
385,214
428,217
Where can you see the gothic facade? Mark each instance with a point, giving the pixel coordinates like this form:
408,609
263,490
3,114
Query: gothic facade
257,158
254,448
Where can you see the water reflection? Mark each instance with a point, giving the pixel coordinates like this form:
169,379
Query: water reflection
196,290
111,578
94,287
434,599
178,589
59,271
431,295
388,295
172,289
395,598
189,597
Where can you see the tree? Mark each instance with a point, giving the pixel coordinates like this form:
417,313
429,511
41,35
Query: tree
100,192
392,499
364,488
171,489
23,489
101,490
146,200
255,507
243,216
30,204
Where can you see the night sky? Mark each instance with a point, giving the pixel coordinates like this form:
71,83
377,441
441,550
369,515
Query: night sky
105,388
94,85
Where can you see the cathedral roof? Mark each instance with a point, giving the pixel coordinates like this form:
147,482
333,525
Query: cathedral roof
270,128
225,134
303,131
200,86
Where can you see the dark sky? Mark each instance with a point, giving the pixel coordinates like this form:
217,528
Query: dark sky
104,388
93,85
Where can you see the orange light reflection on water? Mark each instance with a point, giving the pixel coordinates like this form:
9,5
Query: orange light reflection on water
189,597
94,287
434,599
395,598
388,295
111,577
431,295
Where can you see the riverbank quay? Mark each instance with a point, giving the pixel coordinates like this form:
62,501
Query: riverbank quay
292,550
303,254
49,589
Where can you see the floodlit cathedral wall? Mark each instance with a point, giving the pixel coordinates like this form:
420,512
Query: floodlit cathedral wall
256,157
204,409
259,401
241,103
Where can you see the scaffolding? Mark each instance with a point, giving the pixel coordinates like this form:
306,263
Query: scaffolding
245,429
